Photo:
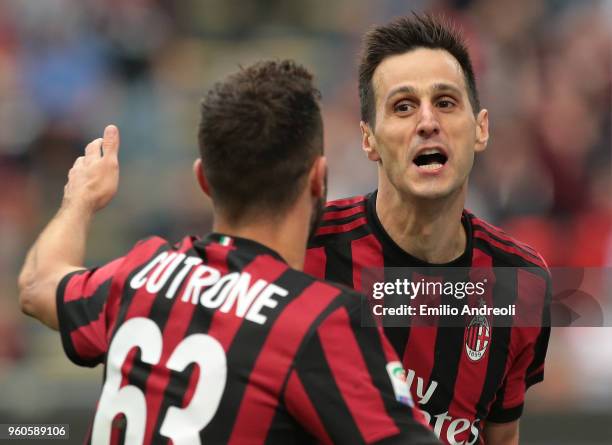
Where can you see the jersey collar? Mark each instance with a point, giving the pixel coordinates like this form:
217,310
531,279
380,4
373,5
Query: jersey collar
242,244
399,256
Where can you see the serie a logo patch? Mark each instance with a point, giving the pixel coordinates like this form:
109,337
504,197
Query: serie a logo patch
400,385
477,338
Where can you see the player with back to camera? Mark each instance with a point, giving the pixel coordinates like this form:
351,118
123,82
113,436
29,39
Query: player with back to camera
221,339
422,124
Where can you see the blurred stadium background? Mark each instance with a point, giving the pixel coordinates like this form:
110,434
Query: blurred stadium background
68,67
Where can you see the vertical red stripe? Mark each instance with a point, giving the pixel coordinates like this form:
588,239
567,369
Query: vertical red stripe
363,401
472,374
418,355
260,399
301,408
390,354
365,252
419,352
315,262
117,432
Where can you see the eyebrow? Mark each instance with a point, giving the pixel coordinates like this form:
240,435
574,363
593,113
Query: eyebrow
402,89
446,87
437,87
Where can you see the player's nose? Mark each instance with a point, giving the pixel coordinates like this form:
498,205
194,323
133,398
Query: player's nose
428,124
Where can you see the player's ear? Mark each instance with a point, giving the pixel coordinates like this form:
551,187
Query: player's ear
482,130
368,142
198,171
318,178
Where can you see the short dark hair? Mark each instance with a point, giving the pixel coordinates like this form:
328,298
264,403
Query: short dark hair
405,34
259,134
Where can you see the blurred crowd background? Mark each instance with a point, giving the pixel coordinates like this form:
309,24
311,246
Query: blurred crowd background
68,67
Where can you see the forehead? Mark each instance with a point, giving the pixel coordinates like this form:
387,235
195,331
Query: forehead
421,68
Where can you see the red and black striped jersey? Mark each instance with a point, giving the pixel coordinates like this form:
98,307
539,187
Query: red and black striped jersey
217,340
458,393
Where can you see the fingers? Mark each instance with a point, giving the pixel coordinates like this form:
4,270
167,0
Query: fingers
98,148
77,163
110,143
94,148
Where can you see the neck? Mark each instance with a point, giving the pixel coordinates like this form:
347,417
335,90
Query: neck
428,229
286,235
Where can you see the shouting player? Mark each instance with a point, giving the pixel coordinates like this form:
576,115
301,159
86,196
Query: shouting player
422,125
220,339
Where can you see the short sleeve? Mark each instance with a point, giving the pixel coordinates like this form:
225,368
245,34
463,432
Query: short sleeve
88,302
82,303
527,367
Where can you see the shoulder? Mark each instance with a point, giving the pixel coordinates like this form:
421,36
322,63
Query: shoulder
150,248
342,218
506,249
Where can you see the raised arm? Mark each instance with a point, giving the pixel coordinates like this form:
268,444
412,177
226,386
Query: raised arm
60,248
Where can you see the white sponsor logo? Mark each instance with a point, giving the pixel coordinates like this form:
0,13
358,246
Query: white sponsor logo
447,428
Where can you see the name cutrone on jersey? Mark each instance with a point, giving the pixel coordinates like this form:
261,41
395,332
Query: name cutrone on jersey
208,286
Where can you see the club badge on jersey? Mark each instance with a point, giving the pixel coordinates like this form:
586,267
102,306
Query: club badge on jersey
477,338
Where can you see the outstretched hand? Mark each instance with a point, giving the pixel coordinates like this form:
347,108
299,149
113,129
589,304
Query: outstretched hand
94,178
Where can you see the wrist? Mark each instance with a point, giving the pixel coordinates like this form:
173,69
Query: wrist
81,208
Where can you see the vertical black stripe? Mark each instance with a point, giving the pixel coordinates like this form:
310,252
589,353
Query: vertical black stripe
284,429
128,293
541,345
448,348
338,267
325,395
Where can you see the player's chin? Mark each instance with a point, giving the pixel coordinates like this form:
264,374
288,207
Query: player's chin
431,190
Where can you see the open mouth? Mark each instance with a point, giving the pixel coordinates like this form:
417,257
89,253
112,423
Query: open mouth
430,159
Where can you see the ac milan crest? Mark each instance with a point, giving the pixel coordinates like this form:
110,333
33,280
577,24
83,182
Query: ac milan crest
477,338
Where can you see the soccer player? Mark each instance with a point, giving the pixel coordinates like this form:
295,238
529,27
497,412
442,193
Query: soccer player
422,124
220,339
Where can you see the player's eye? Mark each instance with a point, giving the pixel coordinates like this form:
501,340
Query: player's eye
445,103
403,106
